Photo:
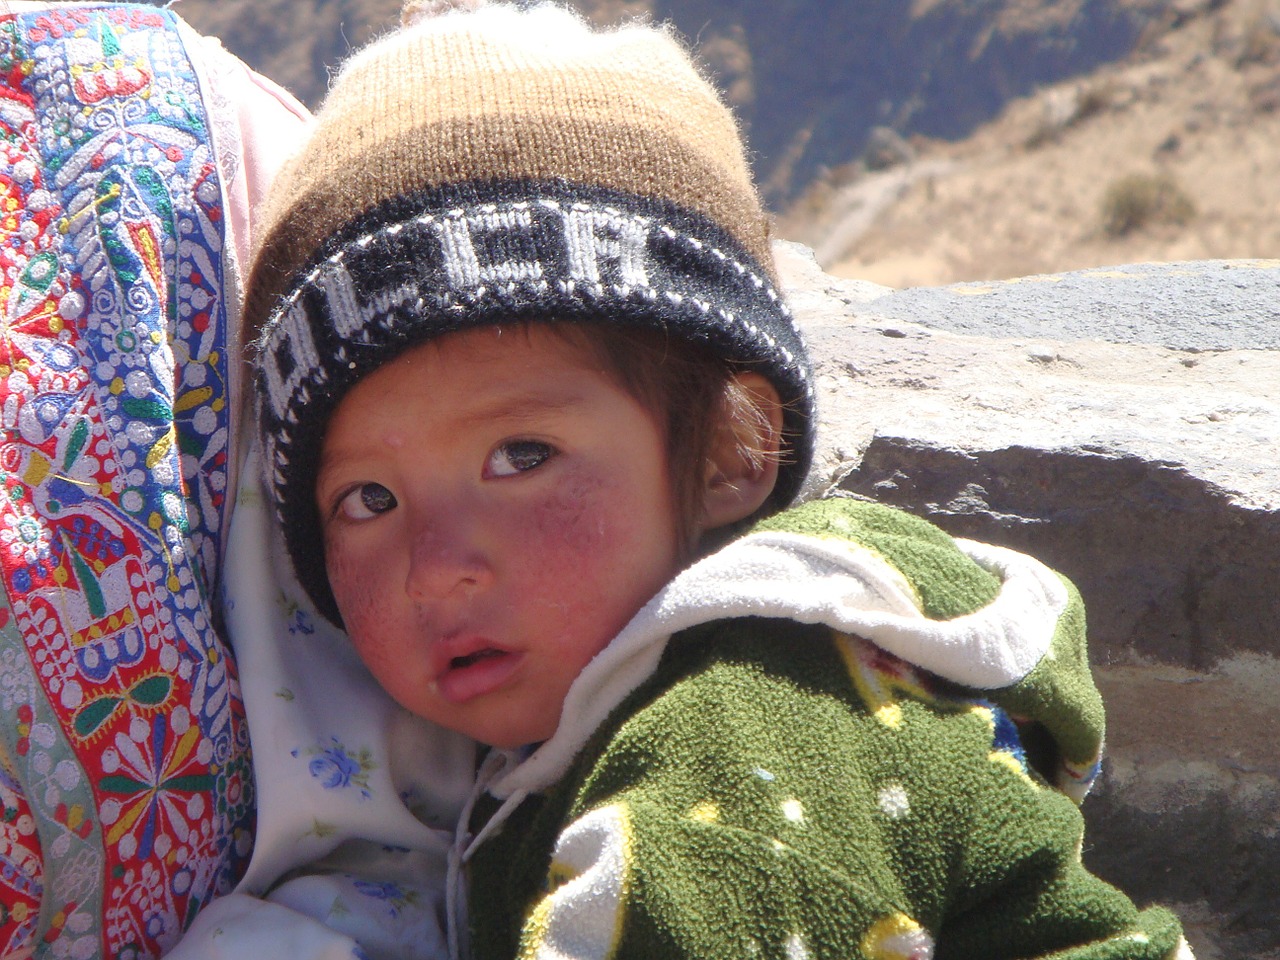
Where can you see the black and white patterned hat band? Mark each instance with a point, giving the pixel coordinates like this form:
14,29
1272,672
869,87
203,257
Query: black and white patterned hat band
439,261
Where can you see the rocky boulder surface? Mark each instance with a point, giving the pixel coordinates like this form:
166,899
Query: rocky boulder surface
1122,425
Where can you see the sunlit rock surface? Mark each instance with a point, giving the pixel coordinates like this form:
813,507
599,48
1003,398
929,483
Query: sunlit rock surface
1123,425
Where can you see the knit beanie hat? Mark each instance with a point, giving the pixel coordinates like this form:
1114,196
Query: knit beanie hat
488,164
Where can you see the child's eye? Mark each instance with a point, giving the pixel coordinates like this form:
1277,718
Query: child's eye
517,456
366,501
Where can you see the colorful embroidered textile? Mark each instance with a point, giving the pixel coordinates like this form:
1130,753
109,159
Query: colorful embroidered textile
119,705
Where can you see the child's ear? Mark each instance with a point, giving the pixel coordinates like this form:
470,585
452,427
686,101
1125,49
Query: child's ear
742,466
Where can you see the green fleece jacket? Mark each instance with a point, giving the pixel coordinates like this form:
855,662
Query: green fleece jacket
844,736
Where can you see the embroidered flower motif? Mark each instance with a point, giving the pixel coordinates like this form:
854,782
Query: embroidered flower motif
234,791
160,773
25,534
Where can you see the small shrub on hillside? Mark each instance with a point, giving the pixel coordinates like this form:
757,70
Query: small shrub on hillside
1064,108
1261,41
1094,99
1140,199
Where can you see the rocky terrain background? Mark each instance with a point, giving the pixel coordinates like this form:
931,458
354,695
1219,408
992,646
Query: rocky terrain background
1171,153
934,141
810,78
1122,426
1120,422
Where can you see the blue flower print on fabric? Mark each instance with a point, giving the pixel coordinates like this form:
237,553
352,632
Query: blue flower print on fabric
379,890
299,620
392,894
334,769
338,768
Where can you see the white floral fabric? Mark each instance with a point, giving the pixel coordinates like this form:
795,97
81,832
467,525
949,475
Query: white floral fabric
357,799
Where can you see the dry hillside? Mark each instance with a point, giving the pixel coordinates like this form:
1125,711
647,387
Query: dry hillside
810,79
1172,154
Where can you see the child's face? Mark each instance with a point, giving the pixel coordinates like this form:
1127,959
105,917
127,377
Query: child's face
495,509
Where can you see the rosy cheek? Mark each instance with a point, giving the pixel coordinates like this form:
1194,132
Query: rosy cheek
574,527
356,589
578,544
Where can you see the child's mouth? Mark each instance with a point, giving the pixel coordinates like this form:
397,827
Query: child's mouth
458,663
477,673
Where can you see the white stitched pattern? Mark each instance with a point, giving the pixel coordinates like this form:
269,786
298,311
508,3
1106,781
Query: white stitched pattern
295,330
592,238
593,235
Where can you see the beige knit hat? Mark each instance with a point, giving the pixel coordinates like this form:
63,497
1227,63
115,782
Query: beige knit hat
505,94
488,163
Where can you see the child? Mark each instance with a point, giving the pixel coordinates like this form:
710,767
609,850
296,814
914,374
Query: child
524,377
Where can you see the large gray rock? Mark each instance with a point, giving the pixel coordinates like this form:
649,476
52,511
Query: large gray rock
1123,426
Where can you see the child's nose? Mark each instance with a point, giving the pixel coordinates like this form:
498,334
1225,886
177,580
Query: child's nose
445,562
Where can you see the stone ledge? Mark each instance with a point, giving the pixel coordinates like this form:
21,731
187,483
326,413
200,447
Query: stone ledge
1123,426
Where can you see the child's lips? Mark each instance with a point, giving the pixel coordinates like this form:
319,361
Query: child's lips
476,672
